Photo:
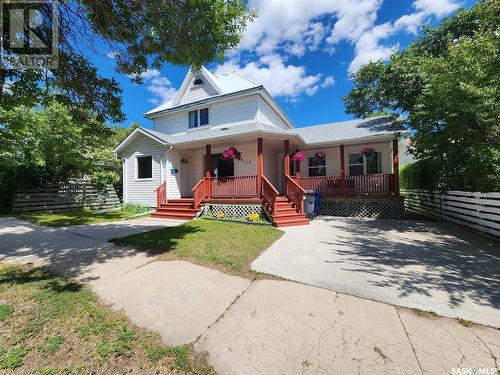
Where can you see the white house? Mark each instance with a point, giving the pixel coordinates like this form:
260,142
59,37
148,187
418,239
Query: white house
224,139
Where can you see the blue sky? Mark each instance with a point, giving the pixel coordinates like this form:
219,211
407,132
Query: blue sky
303,51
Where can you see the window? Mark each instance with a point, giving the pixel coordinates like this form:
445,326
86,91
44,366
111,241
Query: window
373,163
144,167
203,116
198,82
193,119
356,164
198,117
317,166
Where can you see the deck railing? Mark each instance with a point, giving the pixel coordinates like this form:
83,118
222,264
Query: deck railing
371,184
269,194
200,192
161,194
295,192
233,187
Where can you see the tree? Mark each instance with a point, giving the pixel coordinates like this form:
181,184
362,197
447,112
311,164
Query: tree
48,145
142,34
446,86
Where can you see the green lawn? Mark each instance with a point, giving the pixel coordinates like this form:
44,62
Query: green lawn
60,219
229,247
50,325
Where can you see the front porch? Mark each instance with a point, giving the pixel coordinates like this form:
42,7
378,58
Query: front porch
277,183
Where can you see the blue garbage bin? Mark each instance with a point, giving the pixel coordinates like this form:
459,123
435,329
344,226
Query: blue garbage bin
317,203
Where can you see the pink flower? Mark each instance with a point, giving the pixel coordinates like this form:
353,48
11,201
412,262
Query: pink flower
367,150
298,156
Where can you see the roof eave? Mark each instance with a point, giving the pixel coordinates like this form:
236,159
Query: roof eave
210,100
132,135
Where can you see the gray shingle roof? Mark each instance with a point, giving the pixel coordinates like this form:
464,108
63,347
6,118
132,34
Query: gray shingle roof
325,133
337,131
201,134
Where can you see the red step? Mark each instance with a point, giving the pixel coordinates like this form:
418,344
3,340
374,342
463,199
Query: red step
179,208
290,221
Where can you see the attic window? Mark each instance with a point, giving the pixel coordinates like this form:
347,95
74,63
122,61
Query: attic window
198,82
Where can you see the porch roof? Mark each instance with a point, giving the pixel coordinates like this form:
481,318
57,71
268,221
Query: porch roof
349,130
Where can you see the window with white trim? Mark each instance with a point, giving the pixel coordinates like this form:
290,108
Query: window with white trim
356,164
374,163
317,166
198,117
144,167
360,164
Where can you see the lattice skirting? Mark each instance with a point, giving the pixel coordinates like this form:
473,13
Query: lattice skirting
383,209
235,210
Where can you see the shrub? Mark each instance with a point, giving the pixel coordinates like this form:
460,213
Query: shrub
135,208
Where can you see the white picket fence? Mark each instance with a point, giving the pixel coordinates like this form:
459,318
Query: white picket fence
478,211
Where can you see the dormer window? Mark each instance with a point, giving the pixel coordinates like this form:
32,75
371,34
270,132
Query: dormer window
198,82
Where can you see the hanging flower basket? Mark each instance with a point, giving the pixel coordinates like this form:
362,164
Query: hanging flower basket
319,154
298,156
367,151
231,153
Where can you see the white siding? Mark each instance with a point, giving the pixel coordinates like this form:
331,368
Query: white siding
234,110
195,93
268,116
226,112
271,166
173,179
142,191
171,123
333,157
248,165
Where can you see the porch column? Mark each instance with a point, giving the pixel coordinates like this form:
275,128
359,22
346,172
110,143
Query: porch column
260,165
297,168
395,165
342,169
286,158
208,170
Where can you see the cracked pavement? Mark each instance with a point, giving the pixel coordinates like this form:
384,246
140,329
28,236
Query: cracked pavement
245,327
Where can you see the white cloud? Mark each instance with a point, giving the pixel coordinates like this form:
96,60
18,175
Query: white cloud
368,45
159,86
111,55
329,81
288,81
437,8
292,28
368,48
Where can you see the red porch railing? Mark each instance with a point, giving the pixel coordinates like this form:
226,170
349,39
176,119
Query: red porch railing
269,194
295,192
233,187
161,194
200,192
371,184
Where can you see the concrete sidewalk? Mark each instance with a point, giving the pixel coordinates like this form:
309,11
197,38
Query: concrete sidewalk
261,327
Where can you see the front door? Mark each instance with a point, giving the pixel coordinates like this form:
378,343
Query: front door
221,167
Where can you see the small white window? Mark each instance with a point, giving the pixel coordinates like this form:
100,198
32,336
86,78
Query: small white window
360,164
356,165
144,167
198,82
198,117
317,166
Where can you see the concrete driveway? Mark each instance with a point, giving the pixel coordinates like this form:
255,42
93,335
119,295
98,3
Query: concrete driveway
420,264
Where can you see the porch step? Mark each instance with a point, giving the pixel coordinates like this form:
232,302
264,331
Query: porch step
180,208
290,221
286,214
169,215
